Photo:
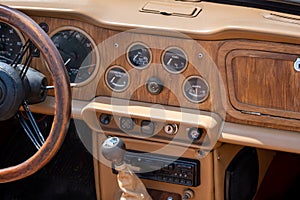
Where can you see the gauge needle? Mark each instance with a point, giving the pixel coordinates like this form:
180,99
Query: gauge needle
135,57
112,80
169,62
67,61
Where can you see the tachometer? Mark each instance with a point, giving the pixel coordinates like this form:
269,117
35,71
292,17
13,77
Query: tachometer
11,42
78,51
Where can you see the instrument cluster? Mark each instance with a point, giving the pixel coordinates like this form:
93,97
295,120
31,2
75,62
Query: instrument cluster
173,59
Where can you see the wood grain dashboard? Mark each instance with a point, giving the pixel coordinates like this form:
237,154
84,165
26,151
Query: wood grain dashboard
254,81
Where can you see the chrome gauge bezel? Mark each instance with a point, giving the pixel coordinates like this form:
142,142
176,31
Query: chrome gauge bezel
106,78
146,47
95,51
185,57
192,100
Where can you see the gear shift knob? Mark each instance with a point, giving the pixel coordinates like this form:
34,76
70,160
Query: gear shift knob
113,149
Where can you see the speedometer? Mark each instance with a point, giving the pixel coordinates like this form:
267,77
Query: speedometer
11,43
78,51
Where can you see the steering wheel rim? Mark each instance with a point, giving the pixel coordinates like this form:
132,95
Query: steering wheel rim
62,92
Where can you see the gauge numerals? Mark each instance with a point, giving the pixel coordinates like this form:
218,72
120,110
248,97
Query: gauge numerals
11,42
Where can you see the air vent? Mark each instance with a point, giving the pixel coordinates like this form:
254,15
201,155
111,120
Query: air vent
171,9
282,18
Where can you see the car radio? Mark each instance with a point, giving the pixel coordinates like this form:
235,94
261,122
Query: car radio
182,171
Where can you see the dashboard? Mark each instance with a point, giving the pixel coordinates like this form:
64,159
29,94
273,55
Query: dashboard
177,71
156,78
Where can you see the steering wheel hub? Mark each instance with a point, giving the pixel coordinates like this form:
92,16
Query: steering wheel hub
11,91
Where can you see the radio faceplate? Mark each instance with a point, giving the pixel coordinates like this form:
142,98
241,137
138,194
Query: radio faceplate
182,171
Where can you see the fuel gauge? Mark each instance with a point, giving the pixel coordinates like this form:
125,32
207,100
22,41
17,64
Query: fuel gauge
117,78
196,89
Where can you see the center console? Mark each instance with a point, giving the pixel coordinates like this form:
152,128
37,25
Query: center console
168,175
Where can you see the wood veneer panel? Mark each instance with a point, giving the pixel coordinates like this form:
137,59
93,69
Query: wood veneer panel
264,82
249,57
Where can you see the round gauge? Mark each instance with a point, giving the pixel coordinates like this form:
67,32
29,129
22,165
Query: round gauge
139,55
78,52
196,89
174,60
117,78
11,43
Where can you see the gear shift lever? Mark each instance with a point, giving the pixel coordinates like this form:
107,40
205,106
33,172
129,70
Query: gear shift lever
113,149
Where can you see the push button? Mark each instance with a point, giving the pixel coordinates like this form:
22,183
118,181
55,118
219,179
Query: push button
126,123
147,127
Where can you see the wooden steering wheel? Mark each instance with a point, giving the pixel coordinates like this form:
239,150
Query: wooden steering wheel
62,94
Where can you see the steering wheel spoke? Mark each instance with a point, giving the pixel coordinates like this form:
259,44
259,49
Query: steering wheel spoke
33,131
28,49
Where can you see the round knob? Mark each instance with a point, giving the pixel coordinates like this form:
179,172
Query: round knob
154,85
113,149
195,134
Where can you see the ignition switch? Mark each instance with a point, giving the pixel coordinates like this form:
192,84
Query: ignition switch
171,129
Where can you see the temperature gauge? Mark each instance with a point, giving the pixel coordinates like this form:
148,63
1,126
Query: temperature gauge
117,78
196,89
174,60
139,55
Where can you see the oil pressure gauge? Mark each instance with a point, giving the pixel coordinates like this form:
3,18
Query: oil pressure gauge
139,55
196,89
117,78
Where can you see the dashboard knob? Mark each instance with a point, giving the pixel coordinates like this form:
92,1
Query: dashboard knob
154,85
195,134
